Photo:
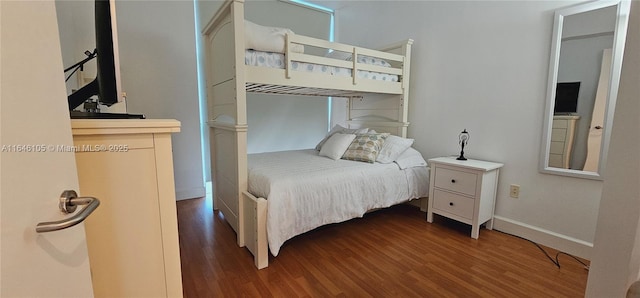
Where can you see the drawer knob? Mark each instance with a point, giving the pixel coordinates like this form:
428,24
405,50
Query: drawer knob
453,180
450,203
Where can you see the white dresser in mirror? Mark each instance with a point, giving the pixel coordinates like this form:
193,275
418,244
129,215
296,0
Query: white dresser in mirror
562,138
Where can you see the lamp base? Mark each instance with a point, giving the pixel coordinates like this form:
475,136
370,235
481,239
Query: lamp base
461,157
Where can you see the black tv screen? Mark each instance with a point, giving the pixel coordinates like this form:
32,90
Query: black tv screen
567,97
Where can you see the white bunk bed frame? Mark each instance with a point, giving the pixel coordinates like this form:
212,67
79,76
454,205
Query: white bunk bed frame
380,105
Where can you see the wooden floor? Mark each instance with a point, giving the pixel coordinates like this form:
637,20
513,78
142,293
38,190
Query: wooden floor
392,252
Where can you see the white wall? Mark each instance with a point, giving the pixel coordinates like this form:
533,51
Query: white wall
483,65
616,252
278,123
158,67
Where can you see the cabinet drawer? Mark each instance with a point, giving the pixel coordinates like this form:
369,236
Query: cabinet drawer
452,203
457,181
113,143
556,147
560,124
555,160
558,134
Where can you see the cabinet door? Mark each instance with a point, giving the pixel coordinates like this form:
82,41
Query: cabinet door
124,235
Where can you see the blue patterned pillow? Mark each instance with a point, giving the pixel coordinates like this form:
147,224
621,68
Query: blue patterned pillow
365,147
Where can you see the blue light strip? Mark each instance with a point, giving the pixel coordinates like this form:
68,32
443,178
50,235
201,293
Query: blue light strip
331,27
201,89
330,99
316,6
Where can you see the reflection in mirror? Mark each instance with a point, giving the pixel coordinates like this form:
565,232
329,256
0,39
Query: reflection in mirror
586,59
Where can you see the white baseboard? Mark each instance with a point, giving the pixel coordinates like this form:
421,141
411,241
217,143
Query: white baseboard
576,247
190,193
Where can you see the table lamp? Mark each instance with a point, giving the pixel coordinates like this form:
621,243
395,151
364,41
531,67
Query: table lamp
463,140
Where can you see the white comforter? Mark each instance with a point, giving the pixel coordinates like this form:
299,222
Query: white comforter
305,191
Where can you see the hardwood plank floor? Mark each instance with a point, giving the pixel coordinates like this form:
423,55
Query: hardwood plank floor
391,252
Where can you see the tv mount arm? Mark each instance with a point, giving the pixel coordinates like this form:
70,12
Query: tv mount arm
81,95
80,65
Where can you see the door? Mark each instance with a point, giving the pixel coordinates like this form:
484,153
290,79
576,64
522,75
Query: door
35,163
594,141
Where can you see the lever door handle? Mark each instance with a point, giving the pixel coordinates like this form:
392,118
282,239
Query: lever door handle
69,201
598,127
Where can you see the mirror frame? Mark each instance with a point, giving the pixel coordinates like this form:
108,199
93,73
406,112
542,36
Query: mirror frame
620,33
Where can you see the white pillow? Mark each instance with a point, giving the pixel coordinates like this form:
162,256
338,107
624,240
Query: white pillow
336,145
339,129
267,39
392,148
410,158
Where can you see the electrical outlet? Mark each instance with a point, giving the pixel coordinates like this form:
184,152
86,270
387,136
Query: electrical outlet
514,191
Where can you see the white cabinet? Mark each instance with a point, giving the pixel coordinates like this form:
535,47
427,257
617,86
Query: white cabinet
132,237
562,136
463,190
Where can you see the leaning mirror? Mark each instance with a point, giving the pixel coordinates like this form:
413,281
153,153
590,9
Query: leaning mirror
586,58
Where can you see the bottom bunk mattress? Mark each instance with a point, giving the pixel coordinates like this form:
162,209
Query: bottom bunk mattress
305,191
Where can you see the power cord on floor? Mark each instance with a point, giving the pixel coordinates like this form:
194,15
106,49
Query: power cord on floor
556,261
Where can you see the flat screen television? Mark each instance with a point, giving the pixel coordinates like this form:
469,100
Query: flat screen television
566,97
107,84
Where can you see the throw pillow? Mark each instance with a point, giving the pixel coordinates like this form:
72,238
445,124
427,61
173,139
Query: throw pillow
336,145
392,148
365,147
339,129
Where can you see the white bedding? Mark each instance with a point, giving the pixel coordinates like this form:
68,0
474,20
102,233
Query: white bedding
268,39
305,191
277,60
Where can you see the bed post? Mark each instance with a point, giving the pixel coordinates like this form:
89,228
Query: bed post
255,212
237,11
404,109
227,111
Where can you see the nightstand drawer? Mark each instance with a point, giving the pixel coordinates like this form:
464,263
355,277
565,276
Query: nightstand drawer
452,203
457,181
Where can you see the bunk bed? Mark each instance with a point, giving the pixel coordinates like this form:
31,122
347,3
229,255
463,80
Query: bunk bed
374,103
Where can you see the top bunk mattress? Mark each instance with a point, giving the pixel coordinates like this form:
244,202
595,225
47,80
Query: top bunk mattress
277,60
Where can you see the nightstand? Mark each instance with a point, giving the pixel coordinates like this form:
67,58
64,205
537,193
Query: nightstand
463,190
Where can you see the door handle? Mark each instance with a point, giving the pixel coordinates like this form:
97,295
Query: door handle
69,201
598,127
